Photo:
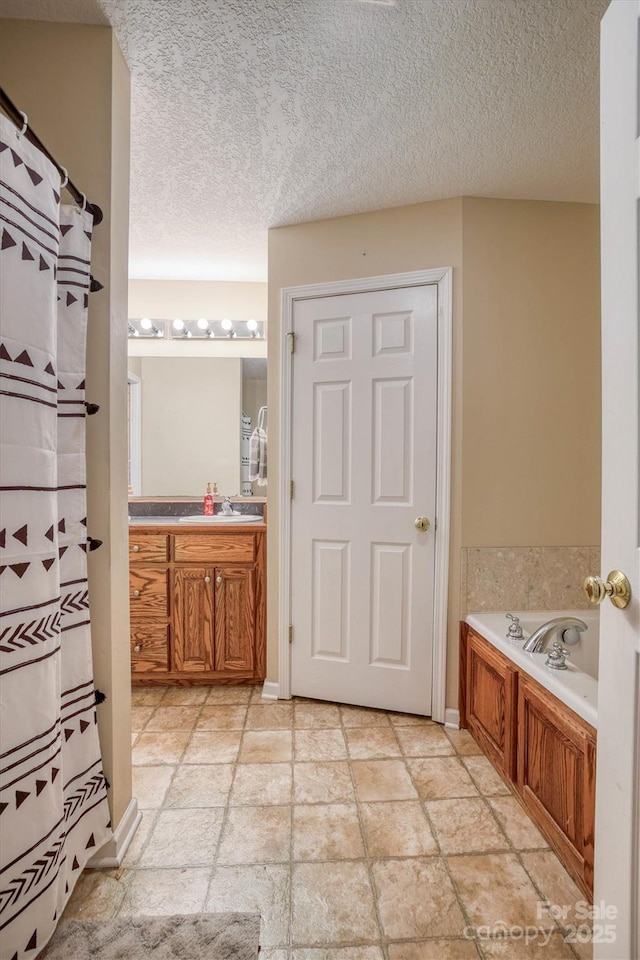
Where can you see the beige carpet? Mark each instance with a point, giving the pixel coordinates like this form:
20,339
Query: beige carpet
208,936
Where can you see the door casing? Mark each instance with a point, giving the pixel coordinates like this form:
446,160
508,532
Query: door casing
442,277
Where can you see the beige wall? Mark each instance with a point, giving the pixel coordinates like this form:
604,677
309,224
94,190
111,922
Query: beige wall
531,374
190,299
525,445
73,83
389,241
191,410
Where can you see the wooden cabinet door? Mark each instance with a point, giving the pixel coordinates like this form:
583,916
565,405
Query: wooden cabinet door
556,767
491,702
193,619
235,618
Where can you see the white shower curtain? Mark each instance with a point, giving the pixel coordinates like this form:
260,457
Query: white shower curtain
53,802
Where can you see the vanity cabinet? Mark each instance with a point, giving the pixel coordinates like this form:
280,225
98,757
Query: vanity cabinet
544,751
198,617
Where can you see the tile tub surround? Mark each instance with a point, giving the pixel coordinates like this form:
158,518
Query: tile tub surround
525,578
384,841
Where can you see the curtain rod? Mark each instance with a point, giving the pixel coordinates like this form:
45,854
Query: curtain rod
19,119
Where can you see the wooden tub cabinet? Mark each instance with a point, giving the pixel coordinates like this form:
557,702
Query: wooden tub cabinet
198,603
544,751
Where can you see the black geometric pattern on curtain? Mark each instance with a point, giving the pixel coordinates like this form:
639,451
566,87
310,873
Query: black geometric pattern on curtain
53,799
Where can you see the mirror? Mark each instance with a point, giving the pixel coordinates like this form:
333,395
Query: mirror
186,424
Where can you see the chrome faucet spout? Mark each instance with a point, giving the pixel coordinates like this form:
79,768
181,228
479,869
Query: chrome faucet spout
537,642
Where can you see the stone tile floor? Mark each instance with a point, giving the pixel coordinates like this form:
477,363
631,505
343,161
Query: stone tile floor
357,834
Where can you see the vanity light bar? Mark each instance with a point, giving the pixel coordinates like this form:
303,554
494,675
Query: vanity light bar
201,329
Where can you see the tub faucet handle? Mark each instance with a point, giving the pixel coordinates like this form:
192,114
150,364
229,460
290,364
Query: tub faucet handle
515,630
557,657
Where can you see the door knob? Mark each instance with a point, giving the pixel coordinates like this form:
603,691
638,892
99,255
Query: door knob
207,579
421,523
136,593
135,548
616,587
218,579
137,648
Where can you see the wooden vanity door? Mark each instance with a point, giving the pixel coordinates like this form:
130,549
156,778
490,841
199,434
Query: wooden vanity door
193,619
235,618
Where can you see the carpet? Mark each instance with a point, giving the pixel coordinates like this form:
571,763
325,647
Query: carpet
200,936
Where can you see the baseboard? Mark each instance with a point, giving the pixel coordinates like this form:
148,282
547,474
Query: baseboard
452,718
270,690
111,855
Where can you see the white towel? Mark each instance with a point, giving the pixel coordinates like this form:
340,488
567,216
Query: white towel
258,457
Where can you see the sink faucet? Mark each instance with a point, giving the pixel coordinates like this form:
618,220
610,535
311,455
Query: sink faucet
538,639
226,507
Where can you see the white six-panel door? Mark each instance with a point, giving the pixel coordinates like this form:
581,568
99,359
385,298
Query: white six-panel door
364,468
617,836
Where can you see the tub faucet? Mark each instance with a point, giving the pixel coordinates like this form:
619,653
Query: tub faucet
538,639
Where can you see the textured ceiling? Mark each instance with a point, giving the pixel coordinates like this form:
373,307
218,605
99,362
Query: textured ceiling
63,11
249,114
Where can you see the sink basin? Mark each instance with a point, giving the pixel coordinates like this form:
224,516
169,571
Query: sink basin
221,518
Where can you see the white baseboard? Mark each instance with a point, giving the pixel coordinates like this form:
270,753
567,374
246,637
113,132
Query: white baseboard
111,855
270,690
452,718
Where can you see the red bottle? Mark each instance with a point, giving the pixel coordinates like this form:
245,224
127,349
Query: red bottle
208,502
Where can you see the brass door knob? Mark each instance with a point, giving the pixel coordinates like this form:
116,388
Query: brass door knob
616,587
421,523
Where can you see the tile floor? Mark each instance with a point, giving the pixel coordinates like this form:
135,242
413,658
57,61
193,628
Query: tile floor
357,834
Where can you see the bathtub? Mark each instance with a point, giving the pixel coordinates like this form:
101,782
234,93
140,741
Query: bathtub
578,685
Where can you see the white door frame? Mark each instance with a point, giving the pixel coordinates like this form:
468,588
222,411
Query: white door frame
442,277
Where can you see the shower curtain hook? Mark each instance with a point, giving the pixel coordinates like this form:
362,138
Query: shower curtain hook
25,123
84,200
66,178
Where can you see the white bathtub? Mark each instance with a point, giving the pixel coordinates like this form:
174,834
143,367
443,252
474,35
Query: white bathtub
578,685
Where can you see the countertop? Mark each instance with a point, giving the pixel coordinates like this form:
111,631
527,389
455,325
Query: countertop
181,525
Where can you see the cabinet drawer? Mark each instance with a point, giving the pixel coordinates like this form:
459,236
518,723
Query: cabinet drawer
147,547
149,647
213,548
148,591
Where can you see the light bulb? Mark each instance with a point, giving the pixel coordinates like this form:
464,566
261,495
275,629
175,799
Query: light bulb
252,324
203,323
226,324
178,324
145,323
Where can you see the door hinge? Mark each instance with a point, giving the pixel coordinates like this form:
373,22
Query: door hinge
292,341
290,633
291,490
